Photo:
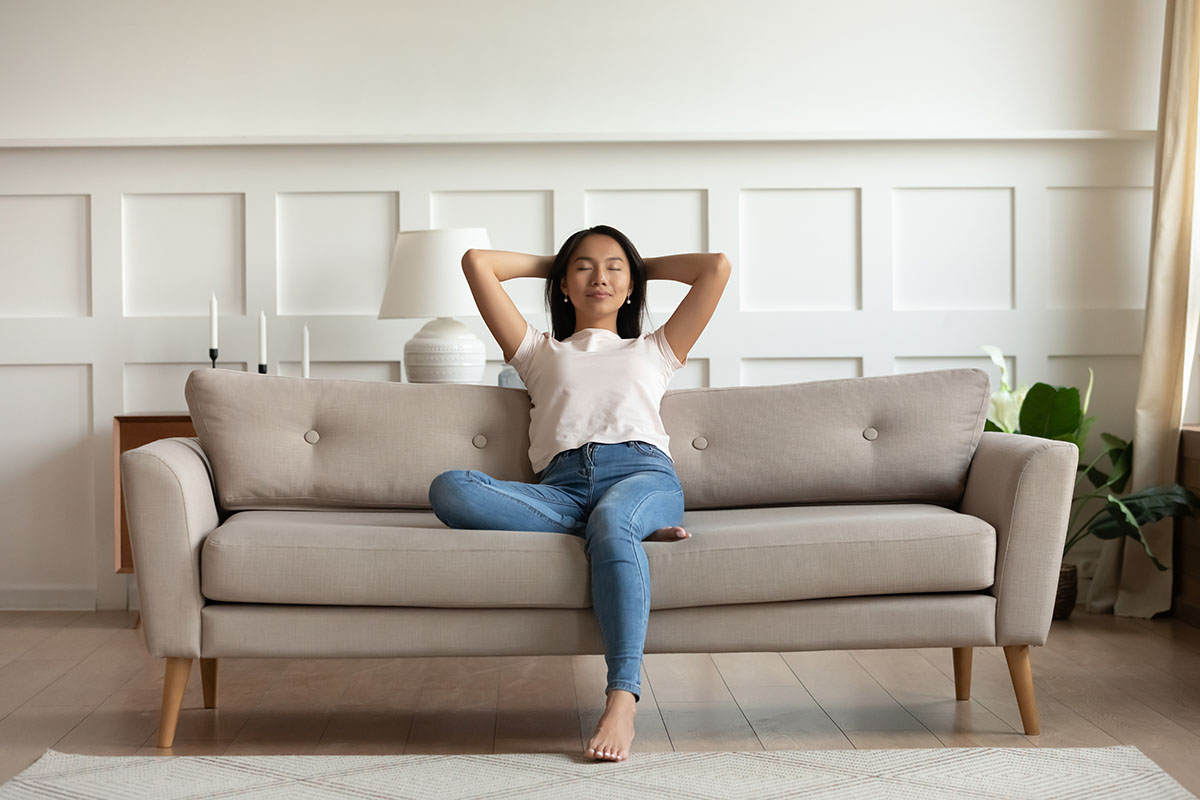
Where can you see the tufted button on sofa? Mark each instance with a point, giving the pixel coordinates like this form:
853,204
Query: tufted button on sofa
856,513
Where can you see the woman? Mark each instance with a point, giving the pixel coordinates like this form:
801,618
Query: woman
595,433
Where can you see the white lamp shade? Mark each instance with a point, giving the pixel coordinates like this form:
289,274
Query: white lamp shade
426,278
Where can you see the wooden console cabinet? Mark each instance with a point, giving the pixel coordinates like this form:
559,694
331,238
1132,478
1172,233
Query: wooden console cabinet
131,431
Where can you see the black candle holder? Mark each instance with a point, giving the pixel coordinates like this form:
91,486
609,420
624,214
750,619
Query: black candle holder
212,354
262,369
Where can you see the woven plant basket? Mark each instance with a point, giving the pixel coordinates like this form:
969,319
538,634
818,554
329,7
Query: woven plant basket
1068,588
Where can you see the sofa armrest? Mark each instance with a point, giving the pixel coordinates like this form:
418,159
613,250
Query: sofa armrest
171,507
1022,486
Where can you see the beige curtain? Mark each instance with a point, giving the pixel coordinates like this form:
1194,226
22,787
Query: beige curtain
1126,582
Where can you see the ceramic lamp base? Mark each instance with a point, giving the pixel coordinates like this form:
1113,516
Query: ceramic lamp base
444,351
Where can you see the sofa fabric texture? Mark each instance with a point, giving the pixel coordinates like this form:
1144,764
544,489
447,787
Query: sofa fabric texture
292,443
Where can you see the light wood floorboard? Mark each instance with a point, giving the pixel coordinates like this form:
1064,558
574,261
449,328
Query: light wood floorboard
83,682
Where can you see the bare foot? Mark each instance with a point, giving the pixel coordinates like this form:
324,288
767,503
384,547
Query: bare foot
671,534
614,732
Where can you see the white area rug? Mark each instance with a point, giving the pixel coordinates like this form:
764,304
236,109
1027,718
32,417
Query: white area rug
984,772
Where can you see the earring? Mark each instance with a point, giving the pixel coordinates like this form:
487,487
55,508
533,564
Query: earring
565,298
628,299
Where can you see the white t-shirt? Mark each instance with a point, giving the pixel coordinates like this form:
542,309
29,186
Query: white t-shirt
593,386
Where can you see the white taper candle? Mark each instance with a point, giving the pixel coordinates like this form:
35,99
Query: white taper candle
262,337
212,322
304,355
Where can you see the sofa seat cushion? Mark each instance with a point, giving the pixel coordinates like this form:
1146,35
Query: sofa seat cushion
745,555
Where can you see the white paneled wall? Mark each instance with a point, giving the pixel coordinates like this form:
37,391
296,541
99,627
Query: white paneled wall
177,248
850,259
333,250
953,248
48,486
1099,256
800,249
44,249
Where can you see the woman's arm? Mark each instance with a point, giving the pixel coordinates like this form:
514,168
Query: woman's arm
685,267
707,273
484,269
506,264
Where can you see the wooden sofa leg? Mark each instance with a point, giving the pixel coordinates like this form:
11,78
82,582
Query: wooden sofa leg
1017,656
174,682
962,672
208,679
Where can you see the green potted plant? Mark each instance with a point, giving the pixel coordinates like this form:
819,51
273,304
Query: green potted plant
1055,412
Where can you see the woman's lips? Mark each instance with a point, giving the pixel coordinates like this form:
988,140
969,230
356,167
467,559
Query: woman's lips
600,295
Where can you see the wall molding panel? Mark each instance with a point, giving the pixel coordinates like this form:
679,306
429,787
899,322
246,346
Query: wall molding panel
45,255
852,257
175,246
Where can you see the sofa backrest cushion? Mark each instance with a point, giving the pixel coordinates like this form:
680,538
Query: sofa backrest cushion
891,438
280,442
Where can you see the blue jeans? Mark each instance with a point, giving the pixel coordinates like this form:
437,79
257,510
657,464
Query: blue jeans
614,496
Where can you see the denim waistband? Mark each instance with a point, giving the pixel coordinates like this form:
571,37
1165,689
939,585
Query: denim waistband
586,453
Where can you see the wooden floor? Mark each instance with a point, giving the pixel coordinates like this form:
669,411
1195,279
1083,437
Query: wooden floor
82,682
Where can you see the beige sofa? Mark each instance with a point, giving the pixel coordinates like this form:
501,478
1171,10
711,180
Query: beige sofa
857,513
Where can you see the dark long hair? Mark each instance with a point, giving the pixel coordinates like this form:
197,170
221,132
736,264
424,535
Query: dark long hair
562,314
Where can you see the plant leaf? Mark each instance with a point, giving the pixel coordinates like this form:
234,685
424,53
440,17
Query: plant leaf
1114,442
1050,411
1126,515
1085,427
1100,479
1122,468
1136,533
1159,502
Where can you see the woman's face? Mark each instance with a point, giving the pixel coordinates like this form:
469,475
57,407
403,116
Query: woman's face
598,278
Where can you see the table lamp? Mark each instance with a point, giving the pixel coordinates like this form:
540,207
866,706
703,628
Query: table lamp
425,279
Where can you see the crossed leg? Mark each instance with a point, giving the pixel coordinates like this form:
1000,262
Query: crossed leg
474,500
